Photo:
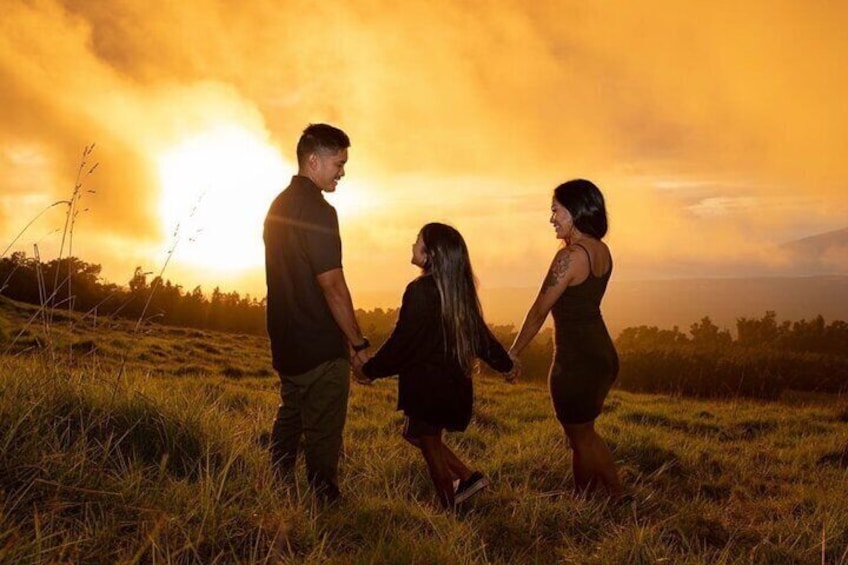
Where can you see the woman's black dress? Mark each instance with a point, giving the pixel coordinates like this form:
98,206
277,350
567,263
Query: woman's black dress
432,387
585,363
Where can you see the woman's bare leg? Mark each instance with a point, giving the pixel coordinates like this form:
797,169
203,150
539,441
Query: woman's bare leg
592,459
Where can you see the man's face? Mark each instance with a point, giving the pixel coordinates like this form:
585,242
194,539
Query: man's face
326,168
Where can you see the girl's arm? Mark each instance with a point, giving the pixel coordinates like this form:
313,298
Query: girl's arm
401,346
494,354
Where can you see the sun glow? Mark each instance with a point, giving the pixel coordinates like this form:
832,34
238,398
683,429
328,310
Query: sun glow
216,189
351,199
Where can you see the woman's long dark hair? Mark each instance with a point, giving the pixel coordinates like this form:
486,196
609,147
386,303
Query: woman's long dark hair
585,203
462,316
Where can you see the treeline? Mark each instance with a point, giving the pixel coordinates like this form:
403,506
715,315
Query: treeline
73,284
804,336
765,359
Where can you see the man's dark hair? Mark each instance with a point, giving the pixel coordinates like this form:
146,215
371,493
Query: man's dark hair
321,138
585,203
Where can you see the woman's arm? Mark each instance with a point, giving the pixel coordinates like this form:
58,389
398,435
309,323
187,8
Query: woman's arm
558,278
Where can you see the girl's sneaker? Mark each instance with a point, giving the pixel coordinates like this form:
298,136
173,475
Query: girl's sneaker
471,486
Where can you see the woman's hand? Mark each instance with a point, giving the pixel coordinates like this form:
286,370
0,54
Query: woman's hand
515,373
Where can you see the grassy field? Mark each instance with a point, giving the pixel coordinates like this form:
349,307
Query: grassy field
124,446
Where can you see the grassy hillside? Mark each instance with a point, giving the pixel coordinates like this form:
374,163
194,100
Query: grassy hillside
166,462
111,343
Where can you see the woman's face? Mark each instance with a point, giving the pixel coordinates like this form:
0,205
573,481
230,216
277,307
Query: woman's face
419,252
561,220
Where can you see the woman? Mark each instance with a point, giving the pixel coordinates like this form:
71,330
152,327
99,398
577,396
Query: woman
439,332
585,362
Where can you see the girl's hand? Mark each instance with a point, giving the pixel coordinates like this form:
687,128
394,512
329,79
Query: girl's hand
358,376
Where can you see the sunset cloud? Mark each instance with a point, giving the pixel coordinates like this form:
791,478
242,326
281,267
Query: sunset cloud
717,130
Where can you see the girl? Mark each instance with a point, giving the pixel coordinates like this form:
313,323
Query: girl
439,332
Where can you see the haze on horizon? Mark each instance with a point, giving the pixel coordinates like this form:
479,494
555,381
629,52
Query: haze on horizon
717,130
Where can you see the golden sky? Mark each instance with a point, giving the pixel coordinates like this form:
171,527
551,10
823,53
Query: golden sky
717,130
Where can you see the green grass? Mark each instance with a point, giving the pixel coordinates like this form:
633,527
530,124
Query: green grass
169,465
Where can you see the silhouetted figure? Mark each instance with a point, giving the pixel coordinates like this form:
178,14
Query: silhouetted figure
439,332
585,362
309,312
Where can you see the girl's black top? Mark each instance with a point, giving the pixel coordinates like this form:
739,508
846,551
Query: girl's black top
431,385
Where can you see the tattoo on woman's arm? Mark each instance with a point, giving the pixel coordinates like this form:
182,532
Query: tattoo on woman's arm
558,270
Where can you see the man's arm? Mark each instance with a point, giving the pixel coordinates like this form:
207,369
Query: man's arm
337,295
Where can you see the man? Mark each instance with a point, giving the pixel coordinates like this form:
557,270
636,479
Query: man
309,313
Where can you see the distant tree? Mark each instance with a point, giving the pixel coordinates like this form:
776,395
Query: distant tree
194,309
835,338
19,278
762,332
138,283
649,337
705,334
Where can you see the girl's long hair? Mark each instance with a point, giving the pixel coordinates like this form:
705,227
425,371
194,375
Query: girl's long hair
463,328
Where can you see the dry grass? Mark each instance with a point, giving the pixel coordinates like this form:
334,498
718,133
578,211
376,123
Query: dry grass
171,467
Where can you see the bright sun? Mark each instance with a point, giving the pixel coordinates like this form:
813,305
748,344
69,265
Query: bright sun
216,188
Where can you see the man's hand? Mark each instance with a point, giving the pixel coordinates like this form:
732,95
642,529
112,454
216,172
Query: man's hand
357,360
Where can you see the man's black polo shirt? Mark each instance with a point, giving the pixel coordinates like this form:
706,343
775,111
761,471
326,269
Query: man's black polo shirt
301,241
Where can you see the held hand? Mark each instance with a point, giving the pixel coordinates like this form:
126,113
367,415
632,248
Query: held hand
512,376
357,361
359,377
359,358
516,371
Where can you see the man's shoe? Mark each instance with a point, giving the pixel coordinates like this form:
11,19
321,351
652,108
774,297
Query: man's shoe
327,494
469,487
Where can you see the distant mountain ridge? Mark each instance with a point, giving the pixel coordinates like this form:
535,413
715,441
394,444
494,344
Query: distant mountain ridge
820,241
825,253
683,302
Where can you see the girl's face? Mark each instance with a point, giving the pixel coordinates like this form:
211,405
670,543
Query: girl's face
419,252
561,220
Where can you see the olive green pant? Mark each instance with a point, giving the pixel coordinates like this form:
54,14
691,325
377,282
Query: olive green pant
314,408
